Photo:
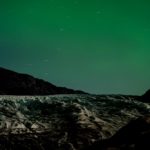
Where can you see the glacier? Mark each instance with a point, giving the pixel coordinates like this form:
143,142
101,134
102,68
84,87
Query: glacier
64,122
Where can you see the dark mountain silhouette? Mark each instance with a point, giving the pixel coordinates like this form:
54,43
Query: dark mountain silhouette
146,97
13,83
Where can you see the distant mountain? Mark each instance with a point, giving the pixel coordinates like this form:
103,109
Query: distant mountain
13,83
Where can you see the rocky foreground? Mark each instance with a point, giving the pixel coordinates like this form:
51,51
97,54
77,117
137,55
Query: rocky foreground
68,122
133,136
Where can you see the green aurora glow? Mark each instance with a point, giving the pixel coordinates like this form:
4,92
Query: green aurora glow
100,46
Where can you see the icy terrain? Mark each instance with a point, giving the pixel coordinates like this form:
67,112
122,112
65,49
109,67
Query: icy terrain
64,122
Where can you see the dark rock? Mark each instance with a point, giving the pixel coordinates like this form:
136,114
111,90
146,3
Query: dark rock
146,97
13,83
134,136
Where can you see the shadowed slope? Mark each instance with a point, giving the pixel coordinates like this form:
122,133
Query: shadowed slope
13,83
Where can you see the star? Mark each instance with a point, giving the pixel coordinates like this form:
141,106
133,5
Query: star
68,17
98,12
45,60
58,49
76,2
61,29
29,64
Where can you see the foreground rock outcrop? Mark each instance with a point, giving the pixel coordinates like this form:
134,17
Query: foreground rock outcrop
13,83
133,136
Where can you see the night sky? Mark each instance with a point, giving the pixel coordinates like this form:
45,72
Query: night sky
100,46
